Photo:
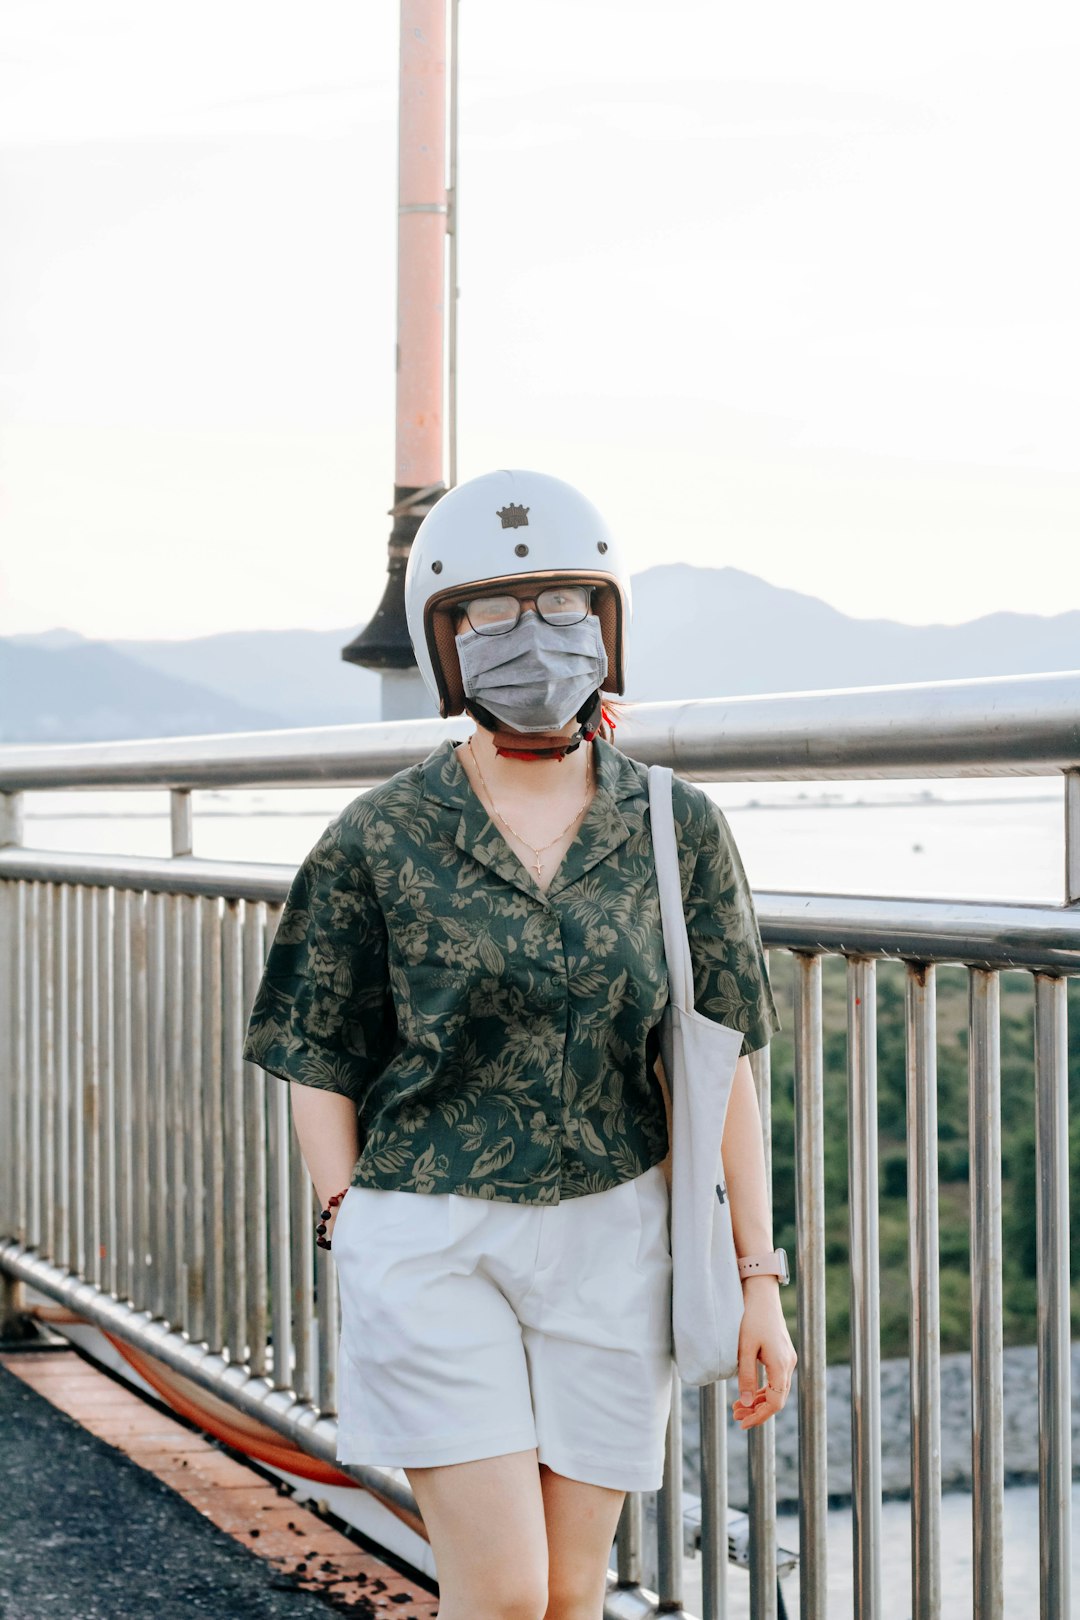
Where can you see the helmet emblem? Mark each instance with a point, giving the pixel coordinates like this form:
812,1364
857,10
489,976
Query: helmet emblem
514,517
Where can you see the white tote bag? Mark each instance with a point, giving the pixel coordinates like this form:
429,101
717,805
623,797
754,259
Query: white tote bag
700,1057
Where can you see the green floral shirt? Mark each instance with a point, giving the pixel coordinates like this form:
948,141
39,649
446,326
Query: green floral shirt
498,1039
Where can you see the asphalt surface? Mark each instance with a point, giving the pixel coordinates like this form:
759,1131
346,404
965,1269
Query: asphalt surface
86,1534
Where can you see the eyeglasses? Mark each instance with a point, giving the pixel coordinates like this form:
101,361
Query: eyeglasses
555,604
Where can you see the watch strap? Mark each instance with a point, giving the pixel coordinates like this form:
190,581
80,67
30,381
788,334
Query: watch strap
765,1265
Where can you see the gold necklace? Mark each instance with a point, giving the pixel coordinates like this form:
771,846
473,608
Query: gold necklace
506,824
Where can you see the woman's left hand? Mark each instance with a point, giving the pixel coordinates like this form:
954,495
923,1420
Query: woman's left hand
763,1337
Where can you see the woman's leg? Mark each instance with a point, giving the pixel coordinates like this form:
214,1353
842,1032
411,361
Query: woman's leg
485,1522
581,1522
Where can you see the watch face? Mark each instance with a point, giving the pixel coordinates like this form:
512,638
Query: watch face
785,1275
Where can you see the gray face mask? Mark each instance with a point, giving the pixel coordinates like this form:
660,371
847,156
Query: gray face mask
537,675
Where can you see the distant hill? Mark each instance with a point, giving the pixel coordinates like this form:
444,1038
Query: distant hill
697,632
299,674
89,693
722,632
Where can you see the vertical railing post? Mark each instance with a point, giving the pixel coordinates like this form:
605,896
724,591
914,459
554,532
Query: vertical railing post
302,1263
20,1061
91,1089
1072,837
46,1037
186,1268
63,1253
279,1216
185,1264
810,1288
32,1096
761,1441
106,1088
175,1084
1052,1241
180,824
76,1062
629,1541
213,1149
987,1403
141,1239
194,1173
124,1113
714,1500
93,1084
255,1150
13,1058
236,1191
11,832
924,1301
11,819
865,1293
669,1508
161,1217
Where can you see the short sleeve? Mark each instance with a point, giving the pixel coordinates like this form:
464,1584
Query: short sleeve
323,1014
731,983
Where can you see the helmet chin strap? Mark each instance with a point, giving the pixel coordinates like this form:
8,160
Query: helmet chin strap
541,744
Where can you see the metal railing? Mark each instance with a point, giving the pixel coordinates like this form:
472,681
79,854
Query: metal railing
139,1138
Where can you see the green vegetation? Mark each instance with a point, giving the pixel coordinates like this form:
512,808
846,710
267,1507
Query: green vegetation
1018,1151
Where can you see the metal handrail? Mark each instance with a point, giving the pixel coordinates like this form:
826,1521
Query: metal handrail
997,934
124,1003
1017,725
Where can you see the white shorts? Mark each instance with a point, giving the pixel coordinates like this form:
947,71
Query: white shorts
473,1327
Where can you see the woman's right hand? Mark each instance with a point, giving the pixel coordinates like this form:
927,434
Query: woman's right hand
328,1131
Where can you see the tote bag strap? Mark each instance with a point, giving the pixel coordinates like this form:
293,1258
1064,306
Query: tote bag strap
666,854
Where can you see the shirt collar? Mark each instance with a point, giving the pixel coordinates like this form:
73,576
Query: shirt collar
444,779
602,831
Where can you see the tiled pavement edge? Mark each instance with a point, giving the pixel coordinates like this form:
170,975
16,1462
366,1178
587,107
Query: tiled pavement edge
97,1481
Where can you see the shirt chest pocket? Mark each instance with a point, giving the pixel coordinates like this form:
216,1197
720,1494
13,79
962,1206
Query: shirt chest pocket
438,958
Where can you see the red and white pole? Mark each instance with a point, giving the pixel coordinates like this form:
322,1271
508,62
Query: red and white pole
421,331
422,209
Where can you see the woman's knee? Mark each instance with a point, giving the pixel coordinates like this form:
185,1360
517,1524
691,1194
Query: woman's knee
524,1597
485,1523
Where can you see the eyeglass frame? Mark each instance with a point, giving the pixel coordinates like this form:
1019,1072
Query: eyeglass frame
462,608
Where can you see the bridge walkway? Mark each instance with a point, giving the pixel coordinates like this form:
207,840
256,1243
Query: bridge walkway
112,1506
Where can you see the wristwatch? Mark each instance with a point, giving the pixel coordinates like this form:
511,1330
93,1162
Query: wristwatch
766,1265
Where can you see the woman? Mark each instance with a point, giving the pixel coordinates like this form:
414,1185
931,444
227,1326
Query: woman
464,990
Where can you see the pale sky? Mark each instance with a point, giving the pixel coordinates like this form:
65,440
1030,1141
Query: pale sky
787,287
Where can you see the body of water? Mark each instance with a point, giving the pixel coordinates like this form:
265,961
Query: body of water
975,839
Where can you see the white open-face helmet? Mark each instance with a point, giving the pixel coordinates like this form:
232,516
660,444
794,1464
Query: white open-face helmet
509,527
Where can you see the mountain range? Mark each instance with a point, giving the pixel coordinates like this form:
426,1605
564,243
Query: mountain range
696,632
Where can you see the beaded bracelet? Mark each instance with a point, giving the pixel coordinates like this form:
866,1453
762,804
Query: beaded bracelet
324,1215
